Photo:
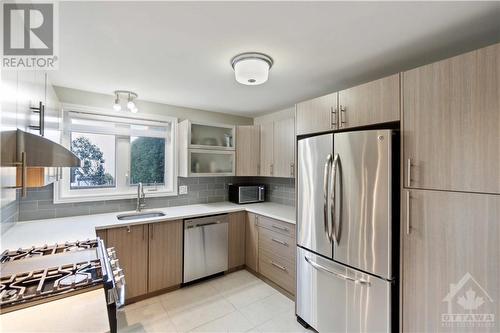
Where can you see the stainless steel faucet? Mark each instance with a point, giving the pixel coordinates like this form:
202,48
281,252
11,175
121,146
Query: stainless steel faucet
141,197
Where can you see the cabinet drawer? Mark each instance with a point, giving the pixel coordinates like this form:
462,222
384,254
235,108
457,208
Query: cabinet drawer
281,227
280,271
276,243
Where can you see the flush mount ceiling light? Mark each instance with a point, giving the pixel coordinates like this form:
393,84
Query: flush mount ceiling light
251,68
130,96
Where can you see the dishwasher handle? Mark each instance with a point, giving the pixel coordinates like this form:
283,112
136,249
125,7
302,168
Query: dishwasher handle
201,222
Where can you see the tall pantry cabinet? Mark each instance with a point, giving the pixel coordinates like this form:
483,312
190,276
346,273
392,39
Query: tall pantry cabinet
451,190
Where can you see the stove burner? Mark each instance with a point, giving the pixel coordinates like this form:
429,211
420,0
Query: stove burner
72,280
21,288
47,250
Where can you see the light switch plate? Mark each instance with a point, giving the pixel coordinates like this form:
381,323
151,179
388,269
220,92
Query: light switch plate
183,189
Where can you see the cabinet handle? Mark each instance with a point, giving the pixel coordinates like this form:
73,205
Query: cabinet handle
292,171
280,227
258,169
342,111
283,268
408,226
128,228
279,241
272,169
334,111
408,172
41,115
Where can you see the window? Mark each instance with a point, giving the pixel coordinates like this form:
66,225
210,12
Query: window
147,160
117,152
97,153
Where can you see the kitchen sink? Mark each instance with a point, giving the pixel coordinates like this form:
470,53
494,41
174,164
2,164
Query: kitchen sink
139,215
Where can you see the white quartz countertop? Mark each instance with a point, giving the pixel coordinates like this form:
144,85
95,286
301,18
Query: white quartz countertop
62,315
59,230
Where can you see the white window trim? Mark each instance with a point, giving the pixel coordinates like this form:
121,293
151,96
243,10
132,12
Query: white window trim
97,194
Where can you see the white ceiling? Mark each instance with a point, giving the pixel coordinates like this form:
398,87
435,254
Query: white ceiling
179,53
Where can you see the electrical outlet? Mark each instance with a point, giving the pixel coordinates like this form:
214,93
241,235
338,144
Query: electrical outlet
183,189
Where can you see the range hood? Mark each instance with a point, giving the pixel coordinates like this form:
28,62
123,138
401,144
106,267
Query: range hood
35,157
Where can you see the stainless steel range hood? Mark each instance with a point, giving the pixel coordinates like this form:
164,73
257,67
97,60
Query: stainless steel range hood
34,156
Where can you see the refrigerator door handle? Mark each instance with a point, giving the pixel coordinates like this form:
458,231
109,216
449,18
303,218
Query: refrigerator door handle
326,176
335,230
337,275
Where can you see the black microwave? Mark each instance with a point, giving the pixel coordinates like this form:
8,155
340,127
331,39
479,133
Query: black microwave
244,193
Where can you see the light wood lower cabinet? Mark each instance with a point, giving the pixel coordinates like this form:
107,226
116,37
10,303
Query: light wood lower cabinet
270,251
165,255
277,258
236,239
450,259
131,245
252,242
451,123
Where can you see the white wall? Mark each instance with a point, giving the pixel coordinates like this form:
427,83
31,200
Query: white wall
74,96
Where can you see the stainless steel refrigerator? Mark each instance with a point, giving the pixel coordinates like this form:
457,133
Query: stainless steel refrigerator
345,274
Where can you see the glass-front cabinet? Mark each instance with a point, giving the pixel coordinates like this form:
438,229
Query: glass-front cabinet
211,137
206,150
211,163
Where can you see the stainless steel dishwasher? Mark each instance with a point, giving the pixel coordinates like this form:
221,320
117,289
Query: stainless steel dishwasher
205,246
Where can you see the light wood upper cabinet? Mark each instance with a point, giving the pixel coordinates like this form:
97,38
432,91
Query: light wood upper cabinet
284,148
236,239
252,242
316,115
165,255
131,245
370,103
451,123
451,235
266,149
247,150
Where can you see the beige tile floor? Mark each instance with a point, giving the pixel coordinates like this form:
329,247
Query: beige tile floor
237,302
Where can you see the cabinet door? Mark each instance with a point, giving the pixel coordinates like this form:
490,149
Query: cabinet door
247,150
370,103
451,123
266,149
317,115
236,239
284,148
251,242
165,255
131,245
453,242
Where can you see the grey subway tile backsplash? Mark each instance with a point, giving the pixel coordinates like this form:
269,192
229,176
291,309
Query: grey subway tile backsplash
39,202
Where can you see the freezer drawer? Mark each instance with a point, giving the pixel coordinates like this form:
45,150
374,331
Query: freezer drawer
205,247
334,298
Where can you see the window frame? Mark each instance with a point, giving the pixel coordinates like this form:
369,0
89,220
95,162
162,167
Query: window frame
62,191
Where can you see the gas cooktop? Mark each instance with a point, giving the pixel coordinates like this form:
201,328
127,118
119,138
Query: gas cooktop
39,274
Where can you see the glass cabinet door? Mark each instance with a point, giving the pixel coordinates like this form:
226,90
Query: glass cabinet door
211,163
213,137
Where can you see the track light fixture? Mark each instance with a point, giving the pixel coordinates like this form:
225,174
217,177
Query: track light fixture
130,96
